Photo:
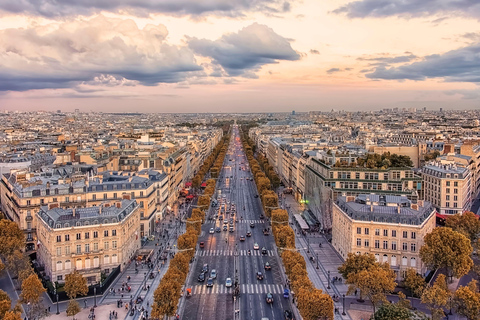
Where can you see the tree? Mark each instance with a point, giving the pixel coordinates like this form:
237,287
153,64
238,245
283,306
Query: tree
315,305
32,290
18,261
284,236
5,303
467,224
356,263
75,284
73,308
393,311
445,248
437,297
11,237
12,315
414,282
466,301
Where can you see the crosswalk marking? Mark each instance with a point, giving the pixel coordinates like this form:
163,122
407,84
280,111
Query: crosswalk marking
239,221
203,253
244,288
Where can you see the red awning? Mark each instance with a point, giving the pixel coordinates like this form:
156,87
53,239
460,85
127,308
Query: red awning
190,196
204,184
188,184
441,216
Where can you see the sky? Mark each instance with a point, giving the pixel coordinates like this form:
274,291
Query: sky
239,55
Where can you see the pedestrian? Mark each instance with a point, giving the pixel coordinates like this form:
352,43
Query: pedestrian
48,308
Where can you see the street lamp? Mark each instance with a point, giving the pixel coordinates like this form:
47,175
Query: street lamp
308,245
316,254
94,297
343,313
58,312
328,274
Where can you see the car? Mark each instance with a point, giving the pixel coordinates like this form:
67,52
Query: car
202,244
225,222
212,230
256,196
231,221
205,268
220,218
252,225
225,228
228,282
218,229
242,238
269,298
249,234
201,277
261,217
268,266
288,315
231,229
213,274
264,250
255,246
259,275
209,282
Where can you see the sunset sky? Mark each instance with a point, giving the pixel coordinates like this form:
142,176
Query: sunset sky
238,55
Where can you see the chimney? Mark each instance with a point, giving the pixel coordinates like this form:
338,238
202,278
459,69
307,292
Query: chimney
53,205
350,199
414,206
119,204
127,196
107,205
371,207
73,211
398,208
100,209
420,203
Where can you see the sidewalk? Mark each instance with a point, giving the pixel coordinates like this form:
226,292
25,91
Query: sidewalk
325,261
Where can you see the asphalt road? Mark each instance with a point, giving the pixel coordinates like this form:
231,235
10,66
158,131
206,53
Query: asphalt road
224,252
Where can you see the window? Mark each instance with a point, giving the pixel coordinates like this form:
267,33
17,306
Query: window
87,247
385,233
357,175
105,233
394,245
29,202
405,234
67,237
95,246
359,230
95,234
377,244
114,195
94,197
385,244
79,236
413,247
413,262
455,183
455,205
59,251
105,245
114,244
455,198
359,242
447,204
447,190
59,238
141,193
367,243
447,197
79,249
448,183
67,250
367,231
87,235
114,232
414,235
105,196
67,199
59,278
405,246
377,232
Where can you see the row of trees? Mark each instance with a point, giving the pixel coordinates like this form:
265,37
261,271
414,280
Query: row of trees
168,292
312,303
447,248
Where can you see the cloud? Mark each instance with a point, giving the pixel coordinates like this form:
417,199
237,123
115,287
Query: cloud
460,65
55,8
333,70
409,8
314,51
389,60
466,94
245,52
101,51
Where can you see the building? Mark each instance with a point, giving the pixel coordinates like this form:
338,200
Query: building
92,240
447,187
390,227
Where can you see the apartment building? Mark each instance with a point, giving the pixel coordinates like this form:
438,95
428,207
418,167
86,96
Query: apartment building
447,187
390,227
92,240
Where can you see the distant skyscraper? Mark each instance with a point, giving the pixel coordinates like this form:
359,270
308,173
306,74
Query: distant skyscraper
441,109
293,112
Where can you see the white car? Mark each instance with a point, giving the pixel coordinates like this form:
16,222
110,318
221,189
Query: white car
255,246
213,274
212,230
228,282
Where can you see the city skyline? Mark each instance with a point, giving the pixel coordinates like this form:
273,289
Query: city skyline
231,56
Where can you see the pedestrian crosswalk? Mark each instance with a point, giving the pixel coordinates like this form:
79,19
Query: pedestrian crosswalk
204,253
239,221
244,288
